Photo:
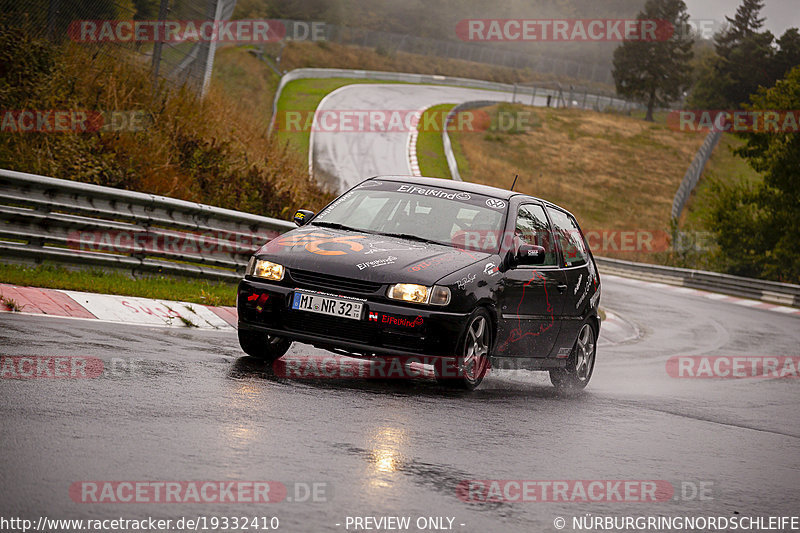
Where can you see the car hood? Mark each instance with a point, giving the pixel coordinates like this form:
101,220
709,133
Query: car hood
365,256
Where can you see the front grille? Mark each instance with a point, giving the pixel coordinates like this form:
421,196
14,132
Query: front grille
315,280
328,326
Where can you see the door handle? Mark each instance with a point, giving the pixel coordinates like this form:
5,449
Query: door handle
561,288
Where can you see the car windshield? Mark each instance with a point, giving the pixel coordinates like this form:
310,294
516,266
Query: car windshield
444,216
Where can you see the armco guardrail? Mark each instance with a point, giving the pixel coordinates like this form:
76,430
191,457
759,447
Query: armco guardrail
693,173
79,224
767,291
73,223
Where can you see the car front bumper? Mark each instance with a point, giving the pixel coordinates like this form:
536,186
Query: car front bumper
266,307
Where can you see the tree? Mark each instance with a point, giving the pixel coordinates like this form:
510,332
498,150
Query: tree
744,24
744,61
656,72
788,54
757,225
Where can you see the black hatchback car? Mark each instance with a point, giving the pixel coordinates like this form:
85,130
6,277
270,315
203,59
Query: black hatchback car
459,275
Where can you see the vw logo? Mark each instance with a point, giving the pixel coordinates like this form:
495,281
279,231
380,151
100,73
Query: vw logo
494,203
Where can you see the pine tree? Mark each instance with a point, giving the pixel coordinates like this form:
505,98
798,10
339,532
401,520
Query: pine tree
744,24
744,62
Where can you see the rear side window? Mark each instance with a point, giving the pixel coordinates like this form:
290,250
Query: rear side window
532,228
569,238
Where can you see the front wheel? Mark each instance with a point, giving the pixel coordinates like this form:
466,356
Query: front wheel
263,346
467,370
580,365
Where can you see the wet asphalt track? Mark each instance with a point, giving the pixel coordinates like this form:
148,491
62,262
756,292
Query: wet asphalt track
192,408
344,158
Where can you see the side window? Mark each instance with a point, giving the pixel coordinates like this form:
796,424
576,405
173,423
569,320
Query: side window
569,238
532,228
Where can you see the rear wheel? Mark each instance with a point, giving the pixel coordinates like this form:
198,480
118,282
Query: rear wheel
262,345
580,365
467,370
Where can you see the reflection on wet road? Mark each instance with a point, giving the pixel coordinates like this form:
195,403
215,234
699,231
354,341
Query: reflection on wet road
177,405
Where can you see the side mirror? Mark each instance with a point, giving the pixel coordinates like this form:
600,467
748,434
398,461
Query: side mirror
530,254
302,216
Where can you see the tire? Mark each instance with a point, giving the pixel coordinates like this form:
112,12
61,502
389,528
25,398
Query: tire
580,365
263,346
467,370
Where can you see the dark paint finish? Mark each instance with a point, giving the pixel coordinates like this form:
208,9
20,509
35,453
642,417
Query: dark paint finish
533,307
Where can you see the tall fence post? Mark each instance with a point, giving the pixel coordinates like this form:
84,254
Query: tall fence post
162,16
211,49
52,13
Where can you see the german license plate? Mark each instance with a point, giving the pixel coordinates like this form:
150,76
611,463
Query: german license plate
327,305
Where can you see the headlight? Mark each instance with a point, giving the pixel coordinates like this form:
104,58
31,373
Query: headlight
419,294
264,269
409,292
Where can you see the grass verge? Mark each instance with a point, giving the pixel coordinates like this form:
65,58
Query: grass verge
430,150
723,165
246,80
98,281
614,172
304,96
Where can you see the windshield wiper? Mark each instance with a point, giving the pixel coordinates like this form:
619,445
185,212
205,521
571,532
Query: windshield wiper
334,225
411,238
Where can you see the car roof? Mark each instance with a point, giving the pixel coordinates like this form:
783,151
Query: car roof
465,186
